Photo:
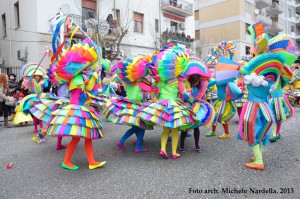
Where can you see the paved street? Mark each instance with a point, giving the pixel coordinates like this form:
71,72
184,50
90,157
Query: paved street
36,171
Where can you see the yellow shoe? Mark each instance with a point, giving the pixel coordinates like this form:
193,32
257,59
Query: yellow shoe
224,136
97,166
35,139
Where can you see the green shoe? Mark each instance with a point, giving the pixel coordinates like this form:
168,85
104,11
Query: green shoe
278,136
63,165
210,134
273,139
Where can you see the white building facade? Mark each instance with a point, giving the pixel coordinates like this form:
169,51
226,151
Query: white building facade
25,26
25,29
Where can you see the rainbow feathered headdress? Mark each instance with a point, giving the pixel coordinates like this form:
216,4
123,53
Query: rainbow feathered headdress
133,68
197,66
268,65
169,62
74,60
284,46
28,69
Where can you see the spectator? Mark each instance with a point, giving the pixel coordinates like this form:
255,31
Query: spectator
4,109
12,89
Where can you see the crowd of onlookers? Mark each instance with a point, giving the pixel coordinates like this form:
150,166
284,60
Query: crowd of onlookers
11,88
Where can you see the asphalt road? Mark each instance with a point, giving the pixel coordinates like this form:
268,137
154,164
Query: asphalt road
36,171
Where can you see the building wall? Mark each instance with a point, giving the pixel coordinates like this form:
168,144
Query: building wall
136,43
216,19
33,35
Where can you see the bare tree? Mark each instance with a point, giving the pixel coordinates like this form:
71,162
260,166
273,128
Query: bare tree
154,34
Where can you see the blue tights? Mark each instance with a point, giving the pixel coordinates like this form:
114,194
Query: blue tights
140,135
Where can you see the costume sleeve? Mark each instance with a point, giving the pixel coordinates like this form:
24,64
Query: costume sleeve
92,82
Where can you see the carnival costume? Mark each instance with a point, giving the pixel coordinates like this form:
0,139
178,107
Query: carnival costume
204,111
124,110
169,111
29,72
261,75
226,73
279,104
78,118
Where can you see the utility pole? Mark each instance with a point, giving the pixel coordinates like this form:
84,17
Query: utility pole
115,12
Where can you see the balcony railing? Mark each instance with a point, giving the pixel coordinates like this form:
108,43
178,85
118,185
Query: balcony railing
177,38
263,3
179,7
275,27
275,9
298,4
297,20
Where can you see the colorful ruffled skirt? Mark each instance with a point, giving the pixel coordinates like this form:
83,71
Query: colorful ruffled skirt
76,120
170,114
281,109
255,122
224,111
66,119
121,110
205,113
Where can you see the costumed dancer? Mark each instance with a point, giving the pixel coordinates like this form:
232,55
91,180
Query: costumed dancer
35,79
279,104
261,75
78,68
123,110
197,76
169,111
226,73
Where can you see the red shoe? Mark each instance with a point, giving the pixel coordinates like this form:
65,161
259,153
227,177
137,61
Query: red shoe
163,154
140,151
121,146
255,166
175,156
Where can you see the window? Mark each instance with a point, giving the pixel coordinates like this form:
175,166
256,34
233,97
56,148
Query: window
197,34
248,7
290,13
292,28
174,26
246,28
196,15
4,25
17,14
138,22
156,25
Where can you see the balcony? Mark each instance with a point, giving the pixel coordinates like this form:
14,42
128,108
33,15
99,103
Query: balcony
260,4
275,28
275,9
178,39
298,5
297,20
297,37
178,7
266,20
